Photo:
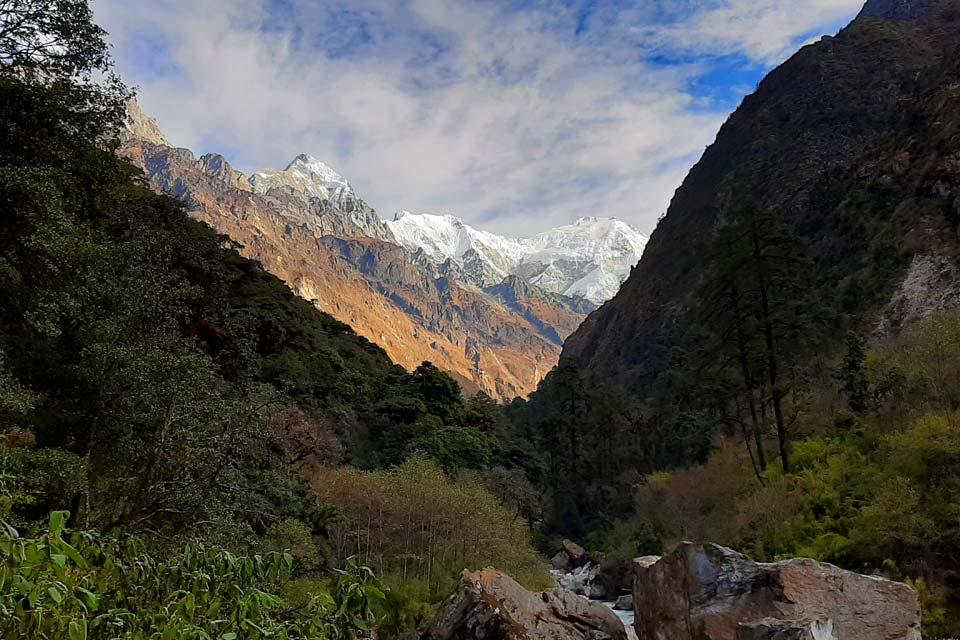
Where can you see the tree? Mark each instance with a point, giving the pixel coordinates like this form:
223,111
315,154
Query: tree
51,37
417,523
760,304
56,42
15,400
852,373
439,392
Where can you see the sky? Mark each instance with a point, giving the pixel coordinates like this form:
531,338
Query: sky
515,115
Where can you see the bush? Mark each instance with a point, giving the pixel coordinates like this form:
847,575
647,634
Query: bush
417,523
80,585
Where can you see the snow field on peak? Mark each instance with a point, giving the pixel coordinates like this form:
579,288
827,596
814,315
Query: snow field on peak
589,258
306,174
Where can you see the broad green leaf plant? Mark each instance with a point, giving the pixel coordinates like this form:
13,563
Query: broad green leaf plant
82,586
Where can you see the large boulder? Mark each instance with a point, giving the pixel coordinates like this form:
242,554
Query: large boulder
704,591
578,555
489,605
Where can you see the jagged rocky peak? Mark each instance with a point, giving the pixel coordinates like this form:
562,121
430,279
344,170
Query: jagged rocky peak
216,166
140,126
305,175
513,287
311,180
587,259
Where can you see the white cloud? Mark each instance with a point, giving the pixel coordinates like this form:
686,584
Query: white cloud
763,30
502,116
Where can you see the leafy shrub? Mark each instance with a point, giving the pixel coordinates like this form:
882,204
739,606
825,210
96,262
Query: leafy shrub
80,585
34,482
417,523
406,606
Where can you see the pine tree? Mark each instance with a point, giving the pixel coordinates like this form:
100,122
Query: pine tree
760,306
853,373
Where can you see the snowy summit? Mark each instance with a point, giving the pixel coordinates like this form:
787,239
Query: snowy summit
307,175
589,258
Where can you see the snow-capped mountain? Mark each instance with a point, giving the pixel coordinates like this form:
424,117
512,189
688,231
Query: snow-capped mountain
306,175
323,190
484,259
306,224
589,258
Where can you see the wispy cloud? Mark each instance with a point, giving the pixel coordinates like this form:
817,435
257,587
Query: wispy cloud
514,115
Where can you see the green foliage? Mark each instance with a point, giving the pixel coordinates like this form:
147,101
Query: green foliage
928,356
15,400
936,623
874,493
55,37
589,444
407,605
56,43
852,373
513,489
416,523
297,539
458,448
79,585
34,482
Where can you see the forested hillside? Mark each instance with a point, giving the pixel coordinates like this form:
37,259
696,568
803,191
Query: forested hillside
784,385
170,403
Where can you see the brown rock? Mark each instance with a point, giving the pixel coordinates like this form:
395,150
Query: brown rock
575,551
141,126
492,606
703,591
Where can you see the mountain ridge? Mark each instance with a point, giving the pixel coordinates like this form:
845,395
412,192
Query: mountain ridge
307,226
589,258
815,143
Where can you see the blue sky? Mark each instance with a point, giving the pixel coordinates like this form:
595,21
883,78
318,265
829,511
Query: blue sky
516,115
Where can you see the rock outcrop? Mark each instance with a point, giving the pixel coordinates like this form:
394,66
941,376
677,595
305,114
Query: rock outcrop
140,126
580,580
707,592
490,605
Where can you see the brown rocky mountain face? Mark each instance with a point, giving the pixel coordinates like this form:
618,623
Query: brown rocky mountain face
856,142
337,254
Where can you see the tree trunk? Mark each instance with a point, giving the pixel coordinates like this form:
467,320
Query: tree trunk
771,353
748,378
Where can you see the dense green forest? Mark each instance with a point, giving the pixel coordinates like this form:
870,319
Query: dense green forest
778,429
171,404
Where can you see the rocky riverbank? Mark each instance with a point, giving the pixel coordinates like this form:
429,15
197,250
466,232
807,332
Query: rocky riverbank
490,605
697,592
